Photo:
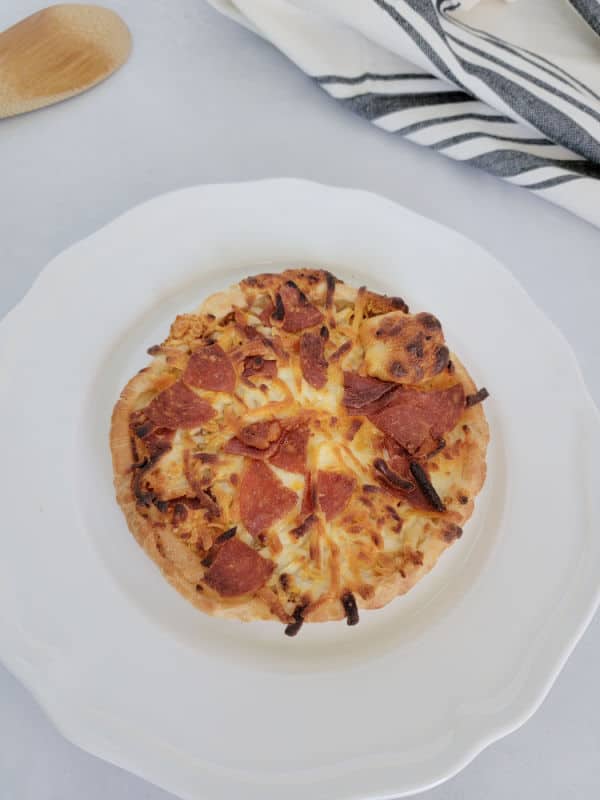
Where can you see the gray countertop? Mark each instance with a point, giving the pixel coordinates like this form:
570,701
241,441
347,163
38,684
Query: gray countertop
204,101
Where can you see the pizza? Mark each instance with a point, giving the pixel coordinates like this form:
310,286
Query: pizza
298,450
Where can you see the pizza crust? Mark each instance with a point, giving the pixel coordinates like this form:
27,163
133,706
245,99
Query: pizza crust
182,568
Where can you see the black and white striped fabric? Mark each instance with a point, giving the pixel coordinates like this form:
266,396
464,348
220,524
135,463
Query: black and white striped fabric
419,69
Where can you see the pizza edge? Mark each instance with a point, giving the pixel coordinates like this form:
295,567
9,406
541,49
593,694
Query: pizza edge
171,555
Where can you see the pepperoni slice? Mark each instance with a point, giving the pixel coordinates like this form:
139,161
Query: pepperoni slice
312,360
334,490
263,497
298,312
237,569
291,453
210,368
257,365
359,391
178,407
414,418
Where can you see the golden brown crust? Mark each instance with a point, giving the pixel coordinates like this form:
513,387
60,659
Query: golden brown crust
458,470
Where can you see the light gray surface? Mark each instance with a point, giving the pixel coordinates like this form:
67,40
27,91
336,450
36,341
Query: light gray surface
204,101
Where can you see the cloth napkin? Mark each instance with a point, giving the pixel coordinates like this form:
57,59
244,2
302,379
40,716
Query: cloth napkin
429,71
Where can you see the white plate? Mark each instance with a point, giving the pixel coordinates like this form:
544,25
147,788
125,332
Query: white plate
215,709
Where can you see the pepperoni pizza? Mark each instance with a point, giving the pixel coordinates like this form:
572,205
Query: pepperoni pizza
298,450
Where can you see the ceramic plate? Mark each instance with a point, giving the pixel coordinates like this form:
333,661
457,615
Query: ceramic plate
216,709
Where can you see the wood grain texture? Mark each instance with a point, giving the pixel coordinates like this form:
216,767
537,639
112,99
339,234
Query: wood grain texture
59,52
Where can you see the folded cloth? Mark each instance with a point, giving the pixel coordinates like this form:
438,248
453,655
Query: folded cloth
422,69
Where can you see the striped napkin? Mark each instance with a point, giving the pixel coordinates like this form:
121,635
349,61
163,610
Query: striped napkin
460,83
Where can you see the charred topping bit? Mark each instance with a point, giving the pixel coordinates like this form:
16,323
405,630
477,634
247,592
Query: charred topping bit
425,485
437,449
397,369
463,499
145,462
143,429
478,397
260,435
193,502
388,332
180,513
450,367
309,497
429,321
302,297
393,513
135,455
142,497
415,347
324,332
284,580
303,528
207,501
350,608
376,539
368,487
214,548
452,532
342,349
205,458
312,360
414,557
293,627
257,365
154,350
399,304
441,359
279,312
159,545
392,477
227,319
161,505
229,534
139,468
354,428
158,445
330,281
199,587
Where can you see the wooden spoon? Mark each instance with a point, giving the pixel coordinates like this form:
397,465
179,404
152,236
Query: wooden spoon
57,53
